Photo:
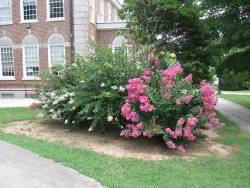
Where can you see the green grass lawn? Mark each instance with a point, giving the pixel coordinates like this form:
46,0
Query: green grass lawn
212,171
243,100
15,114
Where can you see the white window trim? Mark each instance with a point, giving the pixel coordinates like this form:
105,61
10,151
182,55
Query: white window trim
22,14
54,19
1,73
25,77
11,16
49,54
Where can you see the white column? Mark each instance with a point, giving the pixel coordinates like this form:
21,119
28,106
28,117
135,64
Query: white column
81,22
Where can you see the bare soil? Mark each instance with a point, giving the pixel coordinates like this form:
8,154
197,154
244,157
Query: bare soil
111,143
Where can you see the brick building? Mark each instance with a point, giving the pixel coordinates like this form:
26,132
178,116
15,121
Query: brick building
36,34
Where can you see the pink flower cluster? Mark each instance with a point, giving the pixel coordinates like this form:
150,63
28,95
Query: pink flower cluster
174,134
178,133
147,73
147,134
188,99
171,144
188,134
189,78
170,73
213,121
181,149
154,59
136,92
193,119
132,130
208,97
145,106
135,89
192,122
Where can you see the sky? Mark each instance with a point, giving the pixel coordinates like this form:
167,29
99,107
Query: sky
121,1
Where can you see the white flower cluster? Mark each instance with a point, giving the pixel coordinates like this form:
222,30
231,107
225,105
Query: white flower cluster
50,101
121,88
54,99
184,91
110,118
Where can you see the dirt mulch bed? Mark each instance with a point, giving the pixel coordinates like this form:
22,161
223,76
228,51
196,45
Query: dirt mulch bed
112,144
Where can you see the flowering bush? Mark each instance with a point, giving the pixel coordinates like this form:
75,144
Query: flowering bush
90,91
163,102
148,99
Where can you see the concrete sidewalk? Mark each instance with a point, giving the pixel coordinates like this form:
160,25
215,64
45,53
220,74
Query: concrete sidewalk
235,112
23,169
9,103
236,92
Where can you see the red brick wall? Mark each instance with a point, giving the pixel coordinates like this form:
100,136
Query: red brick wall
42,31
106,37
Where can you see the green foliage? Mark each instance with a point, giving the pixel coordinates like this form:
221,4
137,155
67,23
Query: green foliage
231,81
174,26
229,20
91,90
238,62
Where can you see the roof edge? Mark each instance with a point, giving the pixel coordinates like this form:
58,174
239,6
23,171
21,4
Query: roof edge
117,3
112,26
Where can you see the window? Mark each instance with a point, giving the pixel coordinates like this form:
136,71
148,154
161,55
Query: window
31,60
29,10
7,65
30,57
6,58
117,43
57,55
116,48
101,7
5,12
109,12
56,50
92,11
100,15
55,9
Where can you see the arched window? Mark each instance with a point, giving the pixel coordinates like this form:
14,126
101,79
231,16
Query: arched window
118,42
30,57
6,58
56,50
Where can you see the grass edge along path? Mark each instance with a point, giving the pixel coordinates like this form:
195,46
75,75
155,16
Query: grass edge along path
243,100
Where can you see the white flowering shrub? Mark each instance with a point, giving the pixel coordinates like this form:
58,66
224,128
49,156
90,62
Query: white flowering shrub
90,91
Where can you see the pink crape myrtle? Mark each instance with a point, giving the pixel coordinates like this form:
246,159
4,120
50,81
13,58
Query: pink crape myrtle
189,110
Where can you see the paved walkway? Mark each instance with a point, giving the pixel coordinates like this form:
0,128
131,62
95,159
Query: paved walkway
236,92
8,103
235,112
23,169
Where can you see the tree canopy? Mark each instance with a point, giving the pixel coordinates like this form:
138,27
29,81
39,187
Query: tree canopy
230,19
200,32
173,26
